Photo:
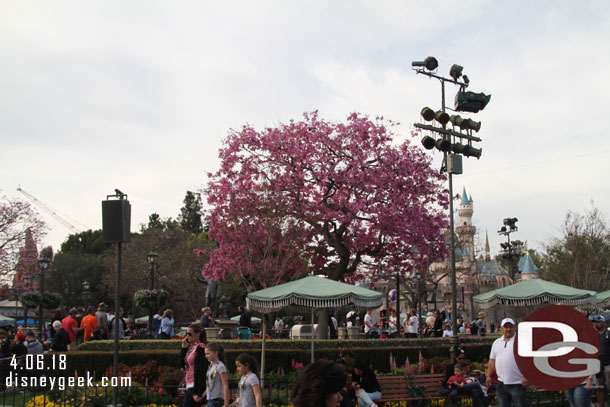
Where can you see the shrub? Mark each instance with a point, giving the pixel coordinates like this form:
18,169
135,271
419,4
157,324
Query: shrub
97,355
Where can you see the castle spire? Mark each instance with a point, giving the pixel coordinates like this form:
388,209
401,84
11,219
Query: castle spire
487,251
465,200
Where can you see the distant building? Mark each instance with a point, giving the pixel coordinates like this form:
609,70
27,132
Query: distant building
475,275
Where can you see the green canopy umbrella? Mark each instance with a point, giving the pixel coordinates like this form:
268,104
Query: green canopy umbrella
312,292
6,320
142,320
533,292
603,299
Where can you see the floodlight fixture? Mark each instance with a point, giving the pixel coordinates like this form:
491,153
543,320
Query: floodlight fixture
428,114
429,63
458,148
471,101
466,79
428,142
469,124
511,223
470,151
456,71
442,117
443,145
455,120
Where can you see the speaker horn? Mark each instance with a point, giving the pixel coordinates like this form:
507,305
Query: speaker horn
470,151
428,142
442,117
458,148
443,145
428,114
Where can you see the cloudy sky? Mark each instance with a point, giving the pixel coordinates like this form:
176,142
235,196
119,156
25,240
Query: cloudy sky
138,95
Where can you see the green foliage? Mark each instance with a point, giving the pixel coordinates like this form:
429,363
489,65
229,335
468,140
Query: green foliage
51,300
509,260
135,395
281,353
88,242
177,271
581,257
151,298
69,272
30,299
191,213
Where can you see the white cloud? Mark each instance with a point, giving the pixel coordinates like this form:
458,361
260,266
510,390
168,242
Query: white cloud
139,95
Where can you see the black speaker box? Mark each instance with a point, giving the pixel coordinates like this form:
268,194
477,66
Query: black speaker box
116,220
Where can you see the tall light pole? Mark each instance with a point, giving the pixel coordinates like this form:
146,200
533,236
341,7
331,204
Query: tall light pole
509,226
152,257
451,140
43,265
116,228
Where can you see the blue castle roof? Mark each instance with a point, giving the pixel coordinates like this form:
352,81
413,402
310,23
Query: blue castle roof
465,200
489,267
526,264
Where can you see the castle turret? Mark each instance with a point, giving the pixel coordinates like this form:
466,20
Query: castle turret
464,228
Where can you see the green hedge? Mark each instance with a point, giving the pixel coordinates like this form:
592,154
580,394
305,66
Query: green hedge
98,355
299,344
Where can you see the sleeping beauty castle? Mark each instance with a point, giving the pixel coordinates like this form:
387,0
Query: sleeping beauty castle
476,273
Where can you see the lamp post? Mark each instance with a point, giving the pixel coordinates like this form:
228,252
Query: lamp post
86,292
43,265
152,257
451,140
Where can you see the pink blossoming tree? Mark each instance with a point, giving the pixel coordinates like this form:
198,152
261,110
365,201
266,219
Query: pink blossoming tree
16,219
341,199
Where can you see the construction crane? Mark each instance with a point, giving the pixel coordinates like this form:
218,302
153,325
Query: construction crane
49,210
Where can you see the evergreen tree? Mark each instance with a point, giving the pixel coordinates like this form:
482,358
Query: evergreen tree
191,213
154,221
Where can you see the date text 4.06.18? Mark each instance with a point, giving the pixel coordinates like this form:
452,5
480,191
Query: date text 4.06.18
38,362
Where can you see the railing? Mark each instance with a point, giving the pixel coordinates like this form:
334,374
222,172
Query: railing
54,391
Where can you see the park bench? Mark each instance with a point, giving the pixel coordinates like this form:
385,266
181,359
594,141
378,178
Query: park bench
412,387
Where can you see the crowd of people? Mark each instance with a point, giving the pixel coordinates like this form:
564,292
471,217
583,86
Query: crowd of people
66,332
433,324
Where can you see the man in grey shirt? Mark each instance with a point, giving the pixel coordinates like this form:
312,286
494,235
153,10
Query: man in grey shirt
102,319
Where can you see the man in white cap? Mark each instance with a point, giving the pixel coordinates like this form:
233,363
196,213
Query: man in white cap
511,383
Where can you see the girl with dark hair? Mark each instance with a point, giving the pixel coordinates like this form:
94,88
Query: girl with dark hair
217,381
249,386
366,385
319,385
195,365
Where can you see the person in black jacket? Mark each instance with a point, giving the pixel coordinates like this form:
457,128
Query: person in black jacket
366,385
244,319
61,340
195,365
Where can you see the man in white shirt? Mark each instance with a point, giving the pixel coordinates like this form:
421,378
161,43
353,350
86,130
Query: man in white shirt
278,325
511,383
411,324
368,324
